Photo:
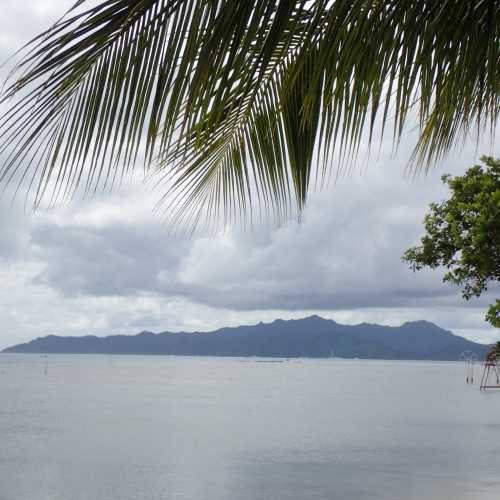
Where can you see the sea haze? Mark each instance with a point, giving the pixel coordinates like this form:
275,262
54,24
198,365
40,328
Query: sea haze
181,428
312,337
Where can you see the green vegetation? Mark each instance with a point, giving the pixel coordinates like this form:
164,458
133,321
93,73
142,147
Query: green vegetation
235,104
463,233
494,353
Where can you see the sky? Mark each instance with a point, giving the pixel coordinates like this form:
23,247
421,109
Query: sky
109,265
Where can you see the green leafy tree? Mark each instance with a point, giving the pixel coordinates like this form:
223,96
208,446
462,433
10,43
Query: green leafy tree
463,233
235,103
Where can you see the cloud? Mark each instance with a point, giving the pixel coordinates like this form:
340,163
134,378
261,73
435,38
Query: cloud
346,252
108,265
344,255
22,21
120,259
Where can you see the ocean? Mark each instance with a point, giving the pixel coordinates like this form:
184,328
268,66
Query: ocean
185,428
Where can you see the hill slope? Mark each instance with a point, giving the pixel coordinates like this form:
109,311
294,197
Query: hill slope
308,337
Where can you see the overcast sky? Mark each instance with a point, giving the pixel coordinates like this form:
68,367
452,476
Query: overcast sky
108,265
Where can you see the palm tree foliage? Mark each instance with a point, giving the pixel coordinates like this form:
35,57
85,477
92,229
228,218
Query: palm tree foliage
236,103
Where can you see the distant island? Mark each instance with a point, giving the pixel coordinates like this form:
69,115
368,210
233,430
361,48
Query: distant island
311,337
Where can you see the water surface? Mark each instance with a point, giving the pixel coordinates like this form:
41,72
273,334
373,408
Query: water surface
165,428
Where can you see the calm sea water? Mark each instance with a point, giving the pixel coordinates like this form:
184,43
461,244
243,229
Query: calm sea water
161,428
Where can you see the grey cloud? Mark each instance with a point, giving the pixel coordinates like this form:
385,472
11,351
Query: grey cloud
346,254
115,260
22,21
105,266
14,231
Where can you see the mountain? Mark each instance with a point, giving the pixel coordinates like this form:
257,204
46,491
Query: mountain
312,337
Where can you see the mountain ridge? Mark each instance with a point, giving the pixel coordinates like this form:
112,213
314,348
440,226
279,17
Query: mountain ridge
311,336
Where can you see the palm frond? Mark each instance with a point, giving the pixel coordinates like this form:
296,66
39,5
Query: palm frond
233,104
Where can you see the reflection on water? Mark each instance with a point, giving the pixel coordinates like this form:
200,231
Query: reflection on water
161,428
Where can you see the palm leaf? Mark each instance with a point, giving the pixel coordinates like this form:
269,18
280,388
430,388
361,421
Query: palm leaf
233,105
